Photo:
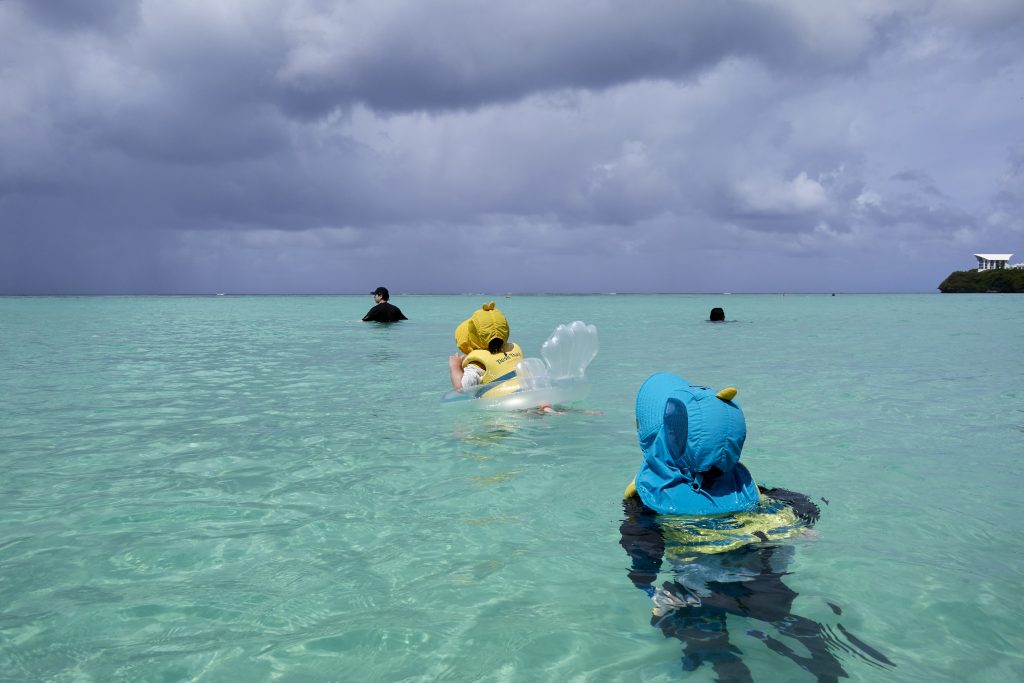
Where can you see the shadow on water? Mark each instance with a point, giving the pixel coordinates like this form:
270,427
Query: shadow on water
489,428
484,429
381,339
382,357
708,587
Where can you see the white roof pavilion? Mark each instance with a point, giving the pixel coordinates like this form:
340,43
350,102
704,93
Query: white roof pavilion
992,261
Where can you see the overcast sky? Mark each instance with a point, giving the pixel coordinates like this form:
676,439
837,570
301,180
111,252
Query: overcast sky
293,146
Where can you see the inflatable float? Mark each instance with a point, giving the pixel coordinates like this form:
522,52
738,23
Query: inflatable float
558,379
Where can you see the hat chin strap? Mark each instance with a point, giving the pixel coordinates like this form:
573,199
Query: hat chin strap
696,485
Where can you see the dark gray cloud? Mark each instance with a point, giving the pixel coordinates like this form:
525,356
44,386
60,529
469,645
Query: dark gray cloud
81,15
458,54
315,145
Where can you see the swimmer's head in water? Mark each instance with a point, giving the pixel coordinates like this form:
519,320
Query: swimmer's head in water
717,315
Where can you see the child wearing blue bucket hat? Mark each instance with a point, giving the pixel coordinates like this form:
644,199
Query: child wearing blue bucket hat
694,506
691,438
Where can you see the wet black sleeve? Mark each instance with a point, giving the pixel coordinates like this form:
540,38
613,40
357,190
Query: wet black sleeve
642,540
804,507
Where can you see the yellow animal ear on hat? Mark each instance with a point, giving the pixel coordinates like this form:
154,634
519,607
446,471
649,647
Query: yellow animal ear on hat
488,306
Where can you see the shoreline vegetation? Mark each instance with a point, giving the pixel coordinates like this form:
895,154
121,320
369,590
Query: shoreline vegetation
1001,281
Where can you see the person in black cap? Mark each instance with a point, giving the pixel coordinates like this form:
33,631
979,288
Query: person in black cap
383,312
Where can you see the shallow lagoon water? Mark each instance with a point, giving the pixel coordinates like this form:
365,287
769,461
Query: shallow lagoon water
264,488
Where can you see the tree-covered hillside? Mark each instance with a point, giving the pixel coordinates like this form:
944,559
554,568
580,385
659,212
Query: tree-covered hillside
1003,280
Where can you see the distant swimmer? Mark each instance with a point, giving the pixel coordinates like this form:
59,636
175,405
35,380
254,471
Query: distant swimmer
383,312
717,315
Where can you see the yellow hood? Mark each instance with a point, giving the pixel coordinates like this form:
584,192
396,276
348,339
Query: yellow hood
490,323
484,325
466,338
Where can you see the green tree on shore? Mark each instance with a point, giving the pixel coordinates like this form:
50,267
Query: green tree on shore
1004,280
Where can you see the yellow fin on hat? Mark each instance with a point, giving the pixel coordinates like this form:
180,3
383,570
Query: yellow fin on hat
727,394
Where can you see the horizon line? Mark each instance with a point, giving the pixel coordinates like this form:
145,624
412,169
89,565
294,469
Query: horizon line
505,294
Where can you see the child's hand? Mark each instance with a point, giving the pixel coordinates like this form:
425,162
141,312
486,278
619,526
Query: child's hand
455,361
666,602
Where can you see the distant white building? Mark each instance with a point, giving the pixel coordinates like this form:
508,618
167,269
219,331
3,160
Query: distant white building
992,261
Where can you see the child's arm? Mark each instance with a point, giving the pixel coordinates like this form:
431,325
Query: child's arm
463,378
642,540
455,370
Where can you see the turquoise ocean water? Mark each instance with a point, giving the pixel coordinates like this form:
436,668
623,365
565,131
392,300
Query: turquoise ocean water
263,488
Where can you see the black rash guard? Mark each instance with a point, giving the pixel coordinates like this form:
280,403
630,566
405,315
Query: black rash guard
384,313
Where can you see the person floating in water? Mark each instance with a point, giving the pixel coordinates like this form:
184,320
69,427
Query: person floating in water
489,355
493,370
717,315
694,506
384,311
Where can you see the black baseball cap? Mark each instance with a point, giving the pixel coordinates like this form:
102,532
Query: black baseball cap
383,291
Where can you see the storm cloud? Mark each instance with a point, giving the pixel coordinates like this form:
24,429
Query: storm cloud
315,146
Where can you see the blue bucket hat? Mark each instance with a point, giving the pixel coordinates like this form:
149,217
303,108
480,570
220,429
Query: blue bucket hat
691,439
